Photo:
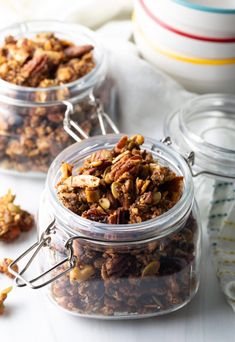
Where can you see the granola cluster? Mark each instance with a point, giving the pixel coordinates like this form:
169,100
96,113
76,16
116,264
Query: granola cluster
3,297
13,220
4,270
126,185
44,61
4,264
120,186
32,136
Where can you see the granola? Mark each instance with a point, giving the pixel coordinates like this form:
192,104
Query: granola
4,264
3,297
122,186
13,220
147,279
44,61
32,136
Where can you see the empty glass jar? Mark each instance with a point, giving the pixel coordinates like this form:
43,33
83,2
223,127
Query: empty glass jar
206,126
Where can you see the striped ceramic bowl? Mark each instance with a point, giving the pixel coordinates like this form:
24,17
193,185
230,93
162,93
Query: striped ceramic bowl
201,64
207,18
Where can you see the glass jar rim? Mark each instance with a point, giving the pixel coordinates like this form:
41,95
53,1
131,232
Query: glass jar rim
156,227
84,82
209,156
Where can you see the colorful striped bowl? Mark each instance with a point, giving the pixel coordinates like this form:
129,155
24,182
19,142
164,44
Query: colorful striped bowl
201,63
164,35
196,75
206,18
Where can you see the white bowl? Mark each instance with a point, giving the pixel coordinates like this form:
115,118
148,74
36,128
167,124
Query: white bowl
201,78
154,30
197,19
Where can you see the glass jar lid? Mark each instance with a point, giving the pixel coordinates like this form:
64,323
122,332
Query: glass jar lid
206,126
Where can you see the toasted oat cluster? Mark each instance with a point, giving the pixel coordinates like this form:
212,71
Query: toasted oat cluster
44,61
13,220
120,186
4,264
3,297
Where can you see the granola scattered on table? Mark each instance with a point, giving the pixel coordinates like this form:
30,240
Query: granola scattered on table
4,267
3,297
122,186
13,219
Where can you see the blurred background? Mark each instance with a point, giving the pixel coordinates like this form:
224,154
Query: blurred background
93,13
192,41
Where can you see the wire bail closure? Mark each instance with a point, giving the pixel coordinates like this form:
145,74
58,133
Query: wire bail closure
44,241
71,259
76,131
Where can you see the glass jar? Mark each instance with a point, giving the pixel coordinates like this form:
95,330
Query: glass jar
117,271
32,119
206,126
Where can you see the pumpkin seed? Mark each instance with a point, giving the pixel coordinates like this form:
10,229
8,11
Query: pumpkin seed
157,197
83,274
104,203
116,189
151,269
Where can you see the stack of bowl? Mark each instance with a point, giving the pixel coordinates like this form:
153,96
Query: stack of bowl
191,40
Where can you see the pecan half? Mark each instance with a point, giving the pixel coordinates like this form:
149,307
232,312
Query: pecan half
78,51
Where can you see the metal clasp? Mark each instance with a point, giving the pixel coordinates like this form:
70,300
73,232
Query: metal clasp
190,160
73,128
44,241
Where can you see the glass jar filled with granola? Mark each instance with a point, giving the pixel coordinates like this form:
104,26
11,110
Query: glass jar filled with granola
119,232
46,66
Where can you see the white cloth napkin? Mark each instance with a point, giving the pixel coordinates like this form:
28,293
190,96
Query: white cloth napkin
221,230
92,13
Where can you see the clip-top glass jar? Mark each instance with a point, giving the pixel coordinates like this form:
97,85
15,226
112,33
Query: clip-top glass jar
206,126
155,264
32,118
